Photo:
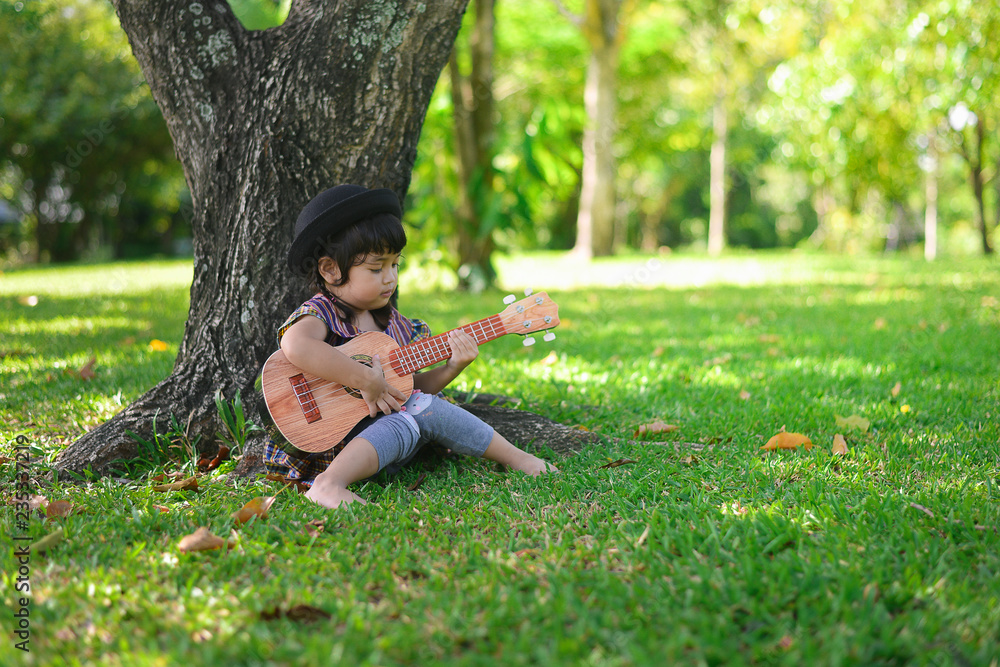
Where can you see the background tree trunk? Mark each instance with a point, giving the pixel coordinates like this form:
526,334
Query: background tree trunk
473,108
262,121
717,172
602,25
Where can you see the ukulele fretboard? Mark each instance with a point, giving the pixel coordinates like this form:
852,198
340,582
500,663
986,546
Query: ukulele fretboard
415,356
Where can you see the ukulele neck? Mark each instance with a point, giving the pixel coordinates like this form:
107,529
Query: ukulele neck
416,356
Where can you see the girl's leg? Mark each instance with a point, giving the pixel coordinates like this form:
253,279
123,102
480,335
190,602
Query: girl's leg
357,461
388,439
502,451
464,433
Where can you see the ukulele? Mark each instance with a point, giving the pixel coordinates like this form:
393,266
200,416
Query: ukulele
315,414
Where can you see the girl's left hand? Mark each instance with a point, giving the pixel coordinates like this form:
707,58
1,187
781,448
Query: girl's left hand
464,350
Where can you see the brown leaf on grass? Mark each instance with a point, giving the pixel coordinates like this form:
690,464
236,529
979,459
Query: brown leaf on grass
275,477
201,540
416,484
177,474
58,509
785,440
220,456
162,508
854,421
37,502
191,483
257,507
744,395
839,445
657,426
615,464
315,527
898,387
300,613
86,371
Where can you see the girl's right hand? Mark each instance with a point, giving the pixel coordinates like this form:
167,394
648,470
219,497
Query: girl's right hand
379,394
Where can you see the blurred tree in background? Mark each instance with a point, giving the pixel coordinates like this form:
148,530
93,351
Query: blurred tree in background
742,123
85,157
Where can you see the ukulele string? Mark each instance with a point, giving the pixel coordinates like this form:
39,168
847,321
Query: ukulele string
411,359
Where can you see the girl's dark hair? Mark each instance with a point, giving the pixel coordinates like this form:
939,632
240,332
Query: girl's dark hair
378,235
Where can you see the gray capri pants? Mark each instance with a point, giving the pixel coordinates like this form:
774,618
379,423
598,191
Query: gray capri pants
424,418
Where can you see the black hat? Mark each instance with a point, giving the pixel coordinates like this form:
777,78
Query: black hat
335,210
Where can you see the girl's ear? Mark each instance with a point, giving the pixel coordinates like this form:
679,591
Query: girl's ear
329,270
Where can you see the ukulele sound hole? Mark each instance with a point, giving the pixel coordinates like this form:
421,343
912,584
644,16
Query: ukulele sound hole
367,361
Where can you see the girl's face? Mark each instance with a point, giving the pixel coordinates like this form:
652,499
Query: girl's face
369,284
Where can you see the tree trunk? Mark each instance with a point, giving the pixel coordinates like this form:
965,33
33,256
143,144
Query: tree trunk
602,27
931,210
978,185
473,109
261,122
717,173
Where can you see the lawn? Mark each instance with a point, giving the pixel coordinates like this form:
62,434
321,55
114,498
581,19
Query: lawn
696,548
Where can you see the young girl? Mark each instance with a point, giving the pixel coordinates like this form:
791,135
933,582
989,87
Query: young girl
348,242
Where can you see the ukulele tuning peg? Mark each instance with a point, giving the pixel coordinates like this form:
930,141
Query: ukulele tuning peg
527,291
549,337
528,341
509,299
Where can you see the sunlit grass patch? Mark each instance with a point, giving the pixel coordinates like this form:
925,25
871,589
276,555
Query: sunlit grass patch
695,548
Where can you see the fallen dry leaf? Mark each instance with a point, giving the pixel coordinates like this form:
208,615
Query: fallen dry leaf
657,426
416,484
275,477
854,421
839,445
301,613
315,527
785,440
191,483
615,464
257,507
37,502
162,508
744,395
896,389
86,371
201,540
58,509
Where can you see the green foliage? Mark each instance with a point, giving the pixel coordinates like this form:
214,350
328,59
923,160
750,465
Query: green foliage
234,421
84,147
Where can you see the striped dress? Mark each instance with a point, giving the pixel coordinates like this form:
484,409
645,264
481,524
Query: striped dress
282,458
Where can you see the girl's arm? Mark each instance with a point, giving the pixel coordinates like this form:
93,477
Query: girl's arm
464,350
305,346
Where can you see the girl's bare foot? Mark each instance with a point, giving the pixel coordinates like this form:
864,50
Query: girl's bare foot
333,496
534,466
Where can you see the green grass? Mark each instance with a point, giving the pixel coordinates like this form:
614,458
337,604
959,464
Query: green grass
705,553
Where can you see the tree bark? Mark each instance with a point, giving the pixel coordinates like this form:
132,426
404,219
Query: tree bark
604,31
473,110
717,172
261,122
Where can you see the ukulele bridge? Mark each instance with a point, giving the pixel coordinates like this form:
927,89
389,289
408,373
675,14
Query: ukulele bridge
306,399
